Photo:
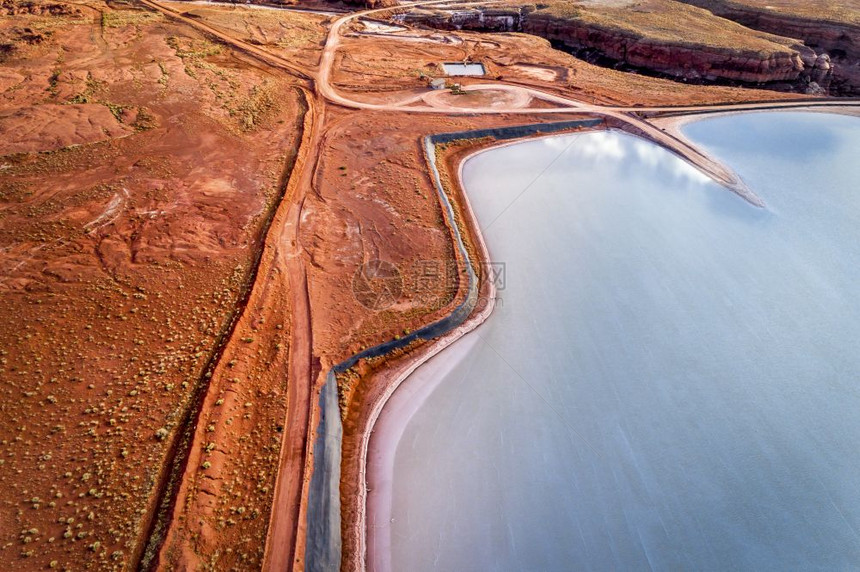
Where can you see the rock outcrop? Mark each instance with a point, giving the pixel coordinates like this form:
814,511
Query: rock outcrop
697,45
835,32
689,60
484,19
822,30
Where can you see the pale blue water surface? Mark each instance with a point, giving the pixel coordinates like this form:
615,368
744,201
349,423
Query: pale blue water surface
671,380
454,69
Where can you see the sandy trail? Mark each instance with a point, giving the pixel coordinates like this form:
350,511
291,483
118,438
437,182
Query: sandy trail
626,115
673,141
285,541
263,55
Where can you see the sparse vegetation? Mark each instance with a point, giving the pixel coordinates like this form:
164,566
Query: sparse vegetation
87,421
670,22
128,17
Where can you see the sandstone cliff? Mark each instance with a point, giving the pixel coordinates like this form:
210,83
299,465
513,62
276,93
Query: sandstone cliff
683,54
657,35
830,29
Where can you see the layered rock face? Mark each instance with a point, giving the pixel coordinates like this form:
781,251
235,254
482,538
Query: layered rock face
690,61
706,52
824,31
837,41
485,19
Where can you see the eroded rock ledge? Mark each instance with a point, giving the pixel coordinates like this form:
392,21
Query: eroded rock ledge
832,30
663,36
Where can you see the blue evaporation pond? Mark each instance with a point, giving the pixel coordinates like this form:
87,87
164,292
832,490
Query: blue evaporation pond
452,69
670,380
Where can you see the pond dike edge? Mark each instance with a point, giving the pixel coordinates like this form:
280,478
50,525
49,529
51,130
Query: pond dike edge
323,541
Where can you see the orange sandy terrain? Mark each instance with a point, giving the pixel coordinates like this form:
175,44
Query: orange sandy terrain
140,164
182,220
514,58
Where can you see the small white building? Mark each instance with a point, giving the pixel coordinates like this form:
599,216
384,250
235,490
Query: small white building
438,83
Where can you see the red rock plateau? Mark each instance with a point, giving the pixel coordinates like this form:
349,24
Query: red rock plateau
831,29
183,214
711,41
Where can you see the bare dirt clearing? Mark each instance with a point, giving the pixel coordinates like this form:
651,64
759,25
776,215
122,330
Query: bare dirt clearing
143,161
139,163
49,127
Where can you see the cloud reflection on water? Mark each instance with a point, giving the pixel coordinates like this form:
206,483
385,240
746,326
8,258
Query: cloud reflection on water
702,346
607,146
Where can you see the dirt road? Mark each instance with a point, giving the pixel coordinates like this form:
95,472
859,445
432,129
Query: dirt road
285,540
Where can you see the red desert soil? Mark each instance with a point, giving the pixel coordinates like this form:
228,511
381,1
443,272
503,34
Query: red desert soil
181,224
49,126
140,163
296,36
374,63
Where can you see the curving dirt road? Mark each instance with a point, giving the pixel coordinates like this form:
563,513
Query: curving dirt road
263,55
675,142
285,542
627,116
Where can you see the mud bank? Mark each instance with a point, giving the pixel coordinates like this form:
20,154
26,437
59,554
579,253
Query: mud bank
678,145
324,535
